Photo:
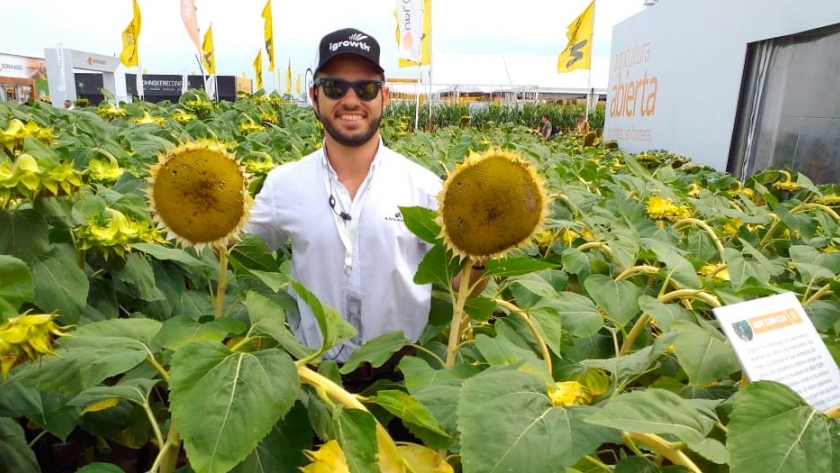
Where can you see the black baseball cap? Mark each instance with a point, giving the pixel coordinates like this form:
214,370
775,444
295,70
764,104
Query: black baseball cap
348,41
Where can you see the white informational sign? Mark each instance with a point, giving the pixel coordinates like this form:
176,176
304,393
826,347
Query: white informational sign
94,62
775,340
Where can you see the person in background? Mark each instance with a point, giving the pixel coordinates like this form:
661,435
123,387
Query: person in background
68,105
582,125
340,207
547,128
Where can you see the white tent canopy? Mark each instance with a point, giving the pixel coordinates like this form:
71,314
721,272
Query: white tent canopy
488,73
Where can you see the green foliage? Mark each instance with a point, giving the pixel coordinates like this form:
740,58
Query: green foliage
485,115
613,296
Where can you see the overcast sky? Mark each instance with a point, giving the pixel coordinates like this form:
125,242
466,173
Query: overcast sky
511,27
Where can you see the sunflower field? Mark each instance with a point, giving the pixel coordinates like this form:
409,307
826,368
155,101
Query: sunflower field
592,347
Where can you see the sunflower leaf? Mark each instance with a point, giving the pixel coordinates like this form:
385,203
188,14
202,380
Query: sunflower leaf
16,454
421,222
528,432
356,432
802,439
334,329
225,402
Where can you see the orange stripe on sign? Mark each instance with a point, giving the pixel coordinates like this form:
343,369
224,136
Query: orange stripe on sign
772,321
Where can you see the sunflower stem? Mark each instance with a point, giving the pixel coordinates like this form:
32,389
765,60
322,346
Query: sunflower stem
633,270
457,317
690,294
160,369
819,294
154,423
167,458
326,386
703,225
38,437
769,235
430,353
664,448
540,341
634,334
220,289
597,463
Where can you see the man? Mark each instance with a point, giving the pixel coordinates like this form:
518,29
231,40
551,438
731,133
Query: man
340,206
546,127
68,105
582,125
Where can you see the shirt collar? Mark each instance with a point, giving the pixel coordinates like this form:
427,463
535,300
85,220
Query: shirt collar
377,159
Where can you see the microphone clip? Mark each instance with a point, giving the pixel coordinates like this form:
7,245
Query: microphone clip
344,215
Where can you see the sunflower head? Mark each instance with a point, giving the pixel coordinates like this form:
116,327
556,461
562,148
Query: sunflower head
198,193
569,393
490,204
26,337
831,199
329,458
665,209
589,139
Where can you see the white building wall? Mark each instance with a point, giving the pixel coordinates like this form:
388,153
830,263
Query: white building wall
695,51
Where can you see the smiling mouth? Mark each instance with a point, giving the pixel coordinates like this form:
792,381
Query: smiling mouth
350,117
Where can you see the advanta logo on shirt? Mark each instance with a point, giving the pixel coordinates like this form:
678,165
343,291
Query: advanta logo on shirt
355,41
396,218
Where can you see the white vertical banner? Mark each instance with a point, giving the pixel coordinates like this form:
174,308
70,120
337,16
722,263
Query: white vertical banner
410,19
140,83
59,51
210,86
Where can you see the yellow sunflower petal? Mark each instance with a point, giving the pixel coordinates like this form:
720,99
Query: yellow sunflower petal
569,393
329,458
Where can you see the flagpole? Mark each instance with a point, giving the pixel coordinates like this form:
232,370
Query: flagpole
431,43
588,89
139,83
589,70
417,98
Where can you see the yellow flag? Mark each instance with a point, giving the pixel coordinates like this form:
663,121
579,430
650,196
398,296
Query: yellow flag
258,70
578,52
130,35
269,35
298,88
425,38
208,56
289,79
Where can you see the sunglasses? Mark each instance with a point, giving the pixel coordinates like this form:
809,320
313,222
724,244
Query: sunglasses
366,90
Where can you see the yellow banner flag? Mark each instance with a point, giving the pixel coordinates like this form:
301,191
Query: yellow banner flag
258,70
298,87
131,34
208,56
578,52
425,38
269,35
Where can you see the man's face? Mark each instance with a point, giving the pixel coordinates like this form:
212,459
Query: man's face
349,120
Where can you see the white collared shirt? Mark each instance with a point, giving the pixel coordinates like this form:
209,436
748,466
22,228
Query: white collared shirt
294,203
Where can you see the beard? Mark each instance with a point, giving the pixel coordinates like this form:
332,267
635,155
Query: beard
354,139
